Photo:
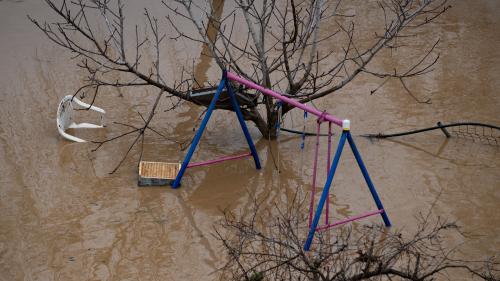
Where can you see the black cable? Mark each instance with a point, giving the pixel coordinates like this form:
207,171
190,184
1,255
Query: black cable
439,126
305,133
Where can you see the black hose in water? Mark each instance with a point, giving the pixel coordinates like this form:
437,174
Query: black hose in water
300,133
443,127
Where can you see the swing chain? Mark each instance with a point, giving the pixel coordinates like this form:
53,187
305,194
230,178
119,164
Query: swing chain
279,105
322,118
302,144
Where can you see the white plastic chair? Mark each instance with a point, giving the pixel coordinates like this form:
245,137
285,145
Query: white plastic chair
65,117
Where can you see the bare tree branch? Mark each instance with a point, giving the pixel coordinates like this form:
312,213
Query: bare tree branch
261,246
278,45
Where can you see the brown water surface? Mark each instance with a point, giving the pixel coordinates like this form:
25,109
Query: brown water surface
63,217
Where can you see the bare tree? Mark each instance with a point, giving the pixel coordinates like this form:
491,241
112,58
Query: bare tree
261,246
283,49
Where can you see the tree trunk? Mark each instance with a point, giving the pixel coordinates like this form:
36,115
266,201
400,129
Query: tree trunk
266,127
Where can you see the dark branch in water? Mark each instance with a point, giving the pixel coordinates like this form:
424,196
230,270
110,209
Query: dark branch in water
268,245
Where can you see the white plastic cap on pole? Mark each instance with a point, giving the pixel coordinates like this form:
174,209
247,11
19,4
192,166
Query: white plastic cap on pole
346,125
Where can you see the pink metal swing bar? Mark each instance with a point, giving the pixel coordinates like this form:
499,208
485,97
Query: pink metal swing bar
218,160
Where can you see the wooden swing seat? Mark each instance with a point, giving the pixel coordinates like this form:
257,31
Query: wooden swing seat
157,173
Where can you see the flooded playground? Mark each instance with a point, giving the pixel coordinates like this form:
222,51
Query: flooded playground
64,217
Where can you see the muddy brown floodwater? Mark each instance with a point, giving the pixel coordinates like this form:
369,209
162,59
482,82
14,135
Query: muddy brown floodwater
63,217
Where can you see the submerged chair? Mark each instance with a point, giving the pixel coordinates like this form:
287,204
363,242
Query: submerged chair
65,121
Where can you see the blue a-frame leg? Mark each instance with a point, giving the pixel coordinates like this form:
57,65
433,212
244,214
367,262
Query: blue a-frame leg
346,135
224,83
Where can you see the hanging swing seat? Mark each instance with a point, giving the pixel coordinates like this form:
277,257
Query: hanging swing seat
157,173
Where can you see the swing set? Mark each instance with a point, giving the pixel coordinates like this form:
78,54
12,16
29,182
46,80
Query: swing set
159,173
314,217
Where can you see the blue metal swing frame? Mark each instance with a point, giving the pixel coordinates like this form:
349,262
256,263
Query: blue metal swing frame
346,135
223,84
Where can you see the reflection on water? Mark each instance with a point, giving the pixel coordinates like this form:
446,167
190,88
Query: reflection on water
201,68
65,218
